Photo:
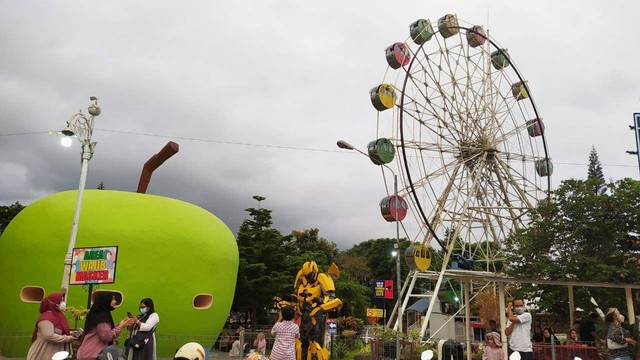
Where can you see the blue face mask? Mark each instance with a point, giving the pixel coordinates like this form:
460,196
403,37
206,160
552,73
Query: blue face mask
143,311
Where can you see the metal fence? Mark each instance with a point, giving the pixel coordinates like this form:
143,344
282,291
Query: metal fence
568,352
16,345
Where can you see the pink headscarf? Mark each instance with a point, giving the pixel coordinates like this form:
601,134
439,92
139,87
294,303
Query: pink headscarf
496,338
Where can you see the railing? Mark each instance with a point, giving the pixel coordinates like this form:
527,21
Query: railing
14,344
566,352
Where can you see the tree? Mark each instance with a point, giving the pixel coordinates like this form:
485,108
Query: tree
583,236
594,173
308,246
354,267
262,272
7,213
101,186
355,297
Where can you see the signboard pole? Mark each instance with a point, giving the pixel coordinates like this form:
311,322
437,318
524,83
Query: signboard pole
384,312
331,356
89,297
332,328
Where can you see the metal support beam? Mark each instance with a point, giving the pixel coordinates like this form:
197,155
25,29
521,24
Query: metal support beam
572,307
503,319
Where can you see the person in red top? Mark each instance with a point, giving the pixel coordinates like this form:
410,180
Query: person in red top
52,329
286,332
99,326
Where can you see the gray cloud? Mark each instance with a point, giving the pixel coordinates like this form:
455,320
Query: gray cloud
280,73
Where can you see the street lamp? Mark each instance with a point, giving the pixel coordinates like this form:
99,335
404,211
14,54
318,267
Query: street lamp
345,145
81,127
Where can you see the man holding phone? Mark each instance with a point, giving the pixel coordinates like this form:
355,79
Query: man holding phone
519,329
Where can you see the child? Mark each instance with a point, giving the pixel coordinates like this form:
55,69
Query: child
286,332
235,348
260,344
493,347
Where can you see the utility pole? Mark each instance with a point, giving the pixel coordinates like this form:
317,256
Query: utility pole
636,129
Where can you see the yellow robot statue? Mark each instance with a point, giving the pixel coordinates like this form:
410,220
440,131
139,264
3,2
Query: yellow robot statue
315,295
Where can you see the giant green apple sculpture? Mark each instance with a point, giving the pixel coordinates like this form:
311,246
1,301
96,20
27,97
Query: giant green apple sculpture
176,253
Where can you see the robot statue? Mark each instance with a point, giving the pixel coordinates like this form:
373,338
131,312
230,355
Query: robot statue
314,296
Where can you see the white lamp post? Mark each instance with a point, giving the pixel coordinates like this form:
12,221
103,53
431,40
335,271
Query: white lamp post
345,145
81,127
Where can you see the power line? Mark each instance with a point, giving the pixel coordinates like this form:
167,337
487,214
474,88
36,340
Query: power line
256,145
217,141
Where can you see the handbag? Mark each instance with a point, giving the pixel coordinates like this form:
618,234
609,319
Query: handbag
612,345
140,339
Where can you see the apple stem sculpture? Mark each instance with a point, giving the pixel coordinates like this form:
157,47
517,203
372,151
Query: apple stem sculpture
81,127
154,162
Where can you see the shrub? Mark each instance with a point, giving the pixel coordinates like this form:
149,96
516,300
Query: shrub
350,323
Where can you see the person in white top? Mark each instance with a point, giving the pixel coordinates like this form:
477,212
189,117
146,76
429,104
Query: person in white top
146,323
519,329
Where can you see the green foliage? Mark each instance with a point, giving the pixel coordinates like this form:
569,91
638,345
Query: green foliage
340,348
308,246
270,261
581,236
263,254
354,267
350,323
7,213
375,260
595,175
422,346
355,297
78,314
381,332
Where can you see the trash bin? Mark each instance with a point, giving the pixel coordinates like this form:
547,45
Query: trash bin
450,350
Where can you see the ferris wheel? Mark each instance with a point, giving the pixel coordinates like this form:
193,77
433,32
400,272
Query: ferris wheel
469,142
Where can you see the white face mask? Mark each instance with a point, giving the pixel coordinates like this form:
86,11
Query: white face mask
62,306
519,310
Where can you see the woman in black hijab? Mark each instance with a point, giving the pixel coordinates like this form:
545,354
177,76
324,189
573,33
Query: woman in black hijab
145,326
99,327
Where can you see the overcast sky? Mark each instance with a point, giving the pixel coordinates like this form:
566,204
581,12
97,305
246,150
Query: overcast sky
256,93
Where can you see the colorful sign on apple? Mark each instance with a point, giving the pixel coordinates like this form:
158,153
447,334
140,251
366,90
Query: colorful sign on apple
94,265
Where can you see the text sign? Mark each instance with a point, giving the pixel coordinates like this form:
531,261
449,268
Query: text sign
332,326
95,265
377,313
379,289
383,289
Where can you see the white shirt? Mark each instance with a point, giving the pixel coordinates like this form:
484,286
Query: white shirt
152,321
520,338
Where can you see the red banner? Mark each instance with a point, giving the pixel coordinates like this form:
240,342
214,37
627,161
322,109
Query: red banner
388,289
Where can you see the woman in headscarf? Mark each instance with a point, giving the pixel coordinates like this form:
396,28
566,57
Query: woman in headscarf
52,329
618,340
99,327
493,347
146,322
